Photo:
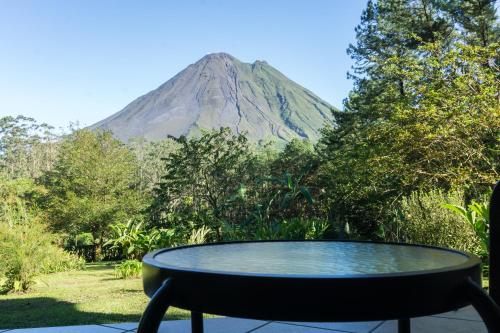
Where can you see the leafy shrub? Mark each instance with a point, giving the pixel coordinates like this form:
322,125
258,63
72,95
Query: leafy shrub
27,249
315,229
81,244
84,239
477,215
295,228
423,219
24,250
199,236
291,229
59,260
129,269
134,241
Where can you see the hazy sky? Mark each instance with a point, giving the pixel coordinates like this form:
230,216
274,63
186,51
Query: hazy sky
67,61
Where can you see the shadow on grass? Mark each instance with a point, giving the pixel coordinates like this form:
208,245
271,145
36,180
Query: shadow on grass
46,311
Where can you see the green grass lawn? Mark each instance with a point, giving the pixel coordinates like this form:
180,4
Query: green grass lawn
92,296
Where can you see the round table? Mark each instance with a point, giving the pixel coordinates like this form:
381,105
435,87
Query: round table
313,281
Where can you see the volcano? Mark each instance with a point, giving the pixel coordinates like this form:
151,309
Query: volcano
221,91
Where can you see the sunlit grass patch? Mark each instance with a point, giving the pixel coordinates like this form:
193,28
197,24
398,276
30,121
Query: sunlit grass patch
91,296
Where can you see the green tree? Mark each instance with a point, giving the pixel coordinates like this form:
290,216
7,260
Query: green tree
291,188
27,249
150,155
27,148
388,38
24,250
18,201
92,185
426,116
297,156
478,20
201,178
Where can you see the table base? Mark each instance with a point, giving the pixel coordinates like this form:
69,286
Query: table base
162,298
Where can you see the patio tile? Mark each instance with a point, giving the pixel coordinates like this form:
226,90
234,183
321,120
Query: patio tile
467,313
276,327
356,327
436,325
215,325
122,326
68,329
212,325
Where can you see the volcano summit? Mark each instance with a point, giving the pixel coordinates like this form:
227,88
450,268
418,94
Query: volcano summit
221,91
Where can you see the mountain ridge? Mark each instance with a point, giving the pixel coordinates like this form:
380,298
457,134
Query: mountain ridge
220,91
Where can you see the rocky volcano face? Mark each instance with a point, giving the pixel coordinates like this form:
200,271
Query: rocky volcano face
221,91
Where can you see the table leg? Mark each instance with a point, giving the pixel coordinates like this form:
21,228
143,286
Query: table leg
404,325
484,304
196,322
157,306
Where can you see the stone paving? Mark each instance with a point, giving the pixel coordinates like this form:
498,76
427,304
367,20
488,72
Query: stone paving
465,320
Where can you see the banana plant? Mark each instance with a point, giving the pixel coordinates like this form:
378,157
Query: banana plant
134,241
293,189
477,215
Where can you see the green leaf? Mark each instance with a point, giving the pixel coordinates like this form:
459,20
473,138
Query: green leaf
305,192
455,208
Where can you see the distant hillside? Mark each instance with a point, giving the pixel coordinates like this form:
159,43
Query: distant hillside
221,91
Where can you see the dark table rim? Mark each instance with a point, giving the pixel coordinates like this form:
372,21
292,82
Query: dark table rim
471,262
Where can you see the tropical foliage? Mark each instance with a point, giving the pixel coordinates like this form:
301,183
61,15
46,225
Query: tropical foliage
133,241
91,186
27,249
423,218
477,216
424,112
129,269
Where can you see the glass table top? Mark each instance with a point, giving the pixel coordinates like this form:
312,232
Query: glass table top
310,258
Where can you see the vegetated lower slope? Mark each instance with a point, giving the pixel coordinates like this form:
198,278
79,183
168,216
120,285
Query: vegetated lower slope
221,91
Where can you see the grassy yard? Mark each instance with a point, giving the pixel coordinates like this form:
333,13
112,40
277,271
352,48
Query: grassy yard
92,296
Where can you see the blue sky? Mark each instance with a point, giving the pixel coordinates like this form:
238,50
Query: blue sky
67,61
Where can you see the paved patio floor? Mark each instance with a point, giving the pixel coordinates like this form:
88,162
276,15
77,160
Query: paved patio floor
463,321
